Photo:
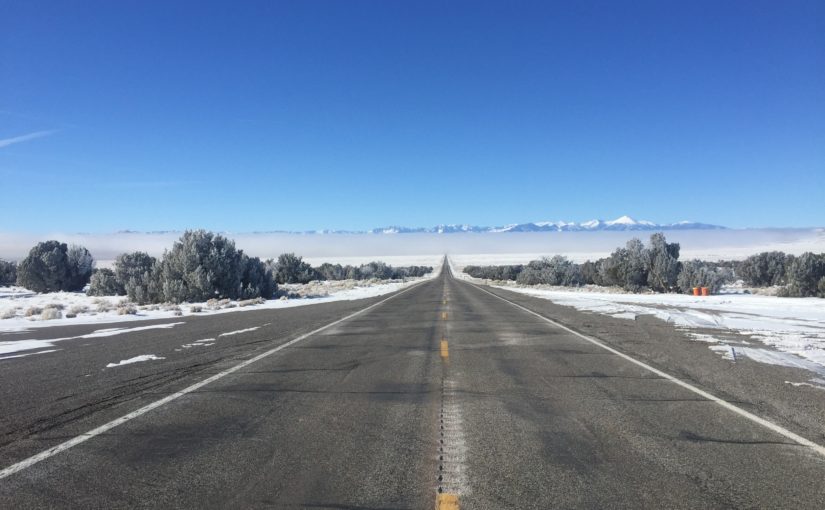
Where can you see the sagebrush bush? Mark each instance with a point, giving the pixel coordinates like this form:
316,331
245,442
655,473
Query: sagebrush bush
765,269
46,268
696,273
507,272
81,265
201,265
8,272
805,275
291,268
51,314
138,274
257,279
51,266
104,283
662,260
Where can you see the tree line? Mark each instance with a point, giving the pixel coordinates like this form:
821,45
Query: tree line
201,265
656,267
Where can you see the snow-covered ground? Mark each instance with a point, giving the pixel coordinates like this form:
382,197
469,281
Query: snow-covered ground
794,328
22,310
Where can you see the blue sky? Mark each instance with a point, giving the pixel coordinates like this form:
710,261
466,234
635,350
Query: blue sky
248,116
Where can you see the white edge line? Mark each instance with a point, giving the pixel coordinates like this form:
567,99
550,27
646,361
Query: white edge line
51,452
713,398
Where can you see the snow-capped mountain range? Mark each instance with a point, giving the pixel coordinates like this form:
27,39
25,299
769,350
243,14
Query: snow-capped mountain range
619,224
622,223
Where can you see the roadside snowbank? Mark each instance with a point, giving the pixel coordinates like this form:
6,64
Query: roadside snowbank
795,327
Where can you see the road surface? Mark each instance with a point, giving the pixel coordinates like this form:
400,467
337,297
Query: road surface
445,394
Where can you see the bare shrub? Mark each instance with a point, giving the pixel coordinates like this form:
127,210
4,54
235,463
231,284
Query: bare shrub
51,314
126,310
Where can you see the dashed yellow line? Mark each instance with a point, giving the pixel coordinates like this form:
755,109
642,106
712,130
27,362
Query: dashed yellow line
444,316
444,501
445,349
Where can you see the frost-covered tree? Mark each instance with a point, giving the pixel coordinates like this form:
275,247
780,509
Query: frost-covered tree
201,265
695,273
257,279
805,275
590,273
377,270
551,271
136,273
292,269
104,283
327,271
662,263
410,271
46,268
81,265
765,269
8,272
573,276
536,272
626,267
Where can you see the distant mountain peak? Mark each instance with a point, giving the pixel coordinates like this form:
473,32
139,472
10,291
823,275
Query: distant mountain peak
620,223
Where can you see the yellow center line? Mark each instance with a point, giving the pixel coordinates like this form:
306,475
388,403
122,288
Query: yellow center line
444,316
446,501
445,349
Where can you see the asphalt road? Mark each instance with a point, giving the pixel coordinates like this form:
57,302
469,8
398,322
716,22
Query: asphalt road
441,387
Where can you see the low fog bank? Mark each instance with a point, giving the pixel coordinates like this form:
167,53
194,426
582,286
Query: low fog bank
705,244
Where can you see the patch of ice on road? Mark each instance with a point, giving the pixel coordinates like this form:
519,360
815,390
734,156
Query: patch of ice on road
28,345
238,332
136,359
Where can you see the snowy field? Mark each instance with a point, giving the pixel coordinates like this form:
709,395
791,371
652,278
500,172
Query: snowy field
780,331
22,310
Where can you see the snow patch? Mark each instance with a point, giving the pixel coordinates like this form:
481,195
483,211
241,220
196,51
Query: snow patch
238,332
792,328
28,354
31,344
136,359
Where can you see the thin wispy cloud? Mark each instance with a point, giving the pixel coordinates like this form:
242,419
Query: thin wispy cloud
5,142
